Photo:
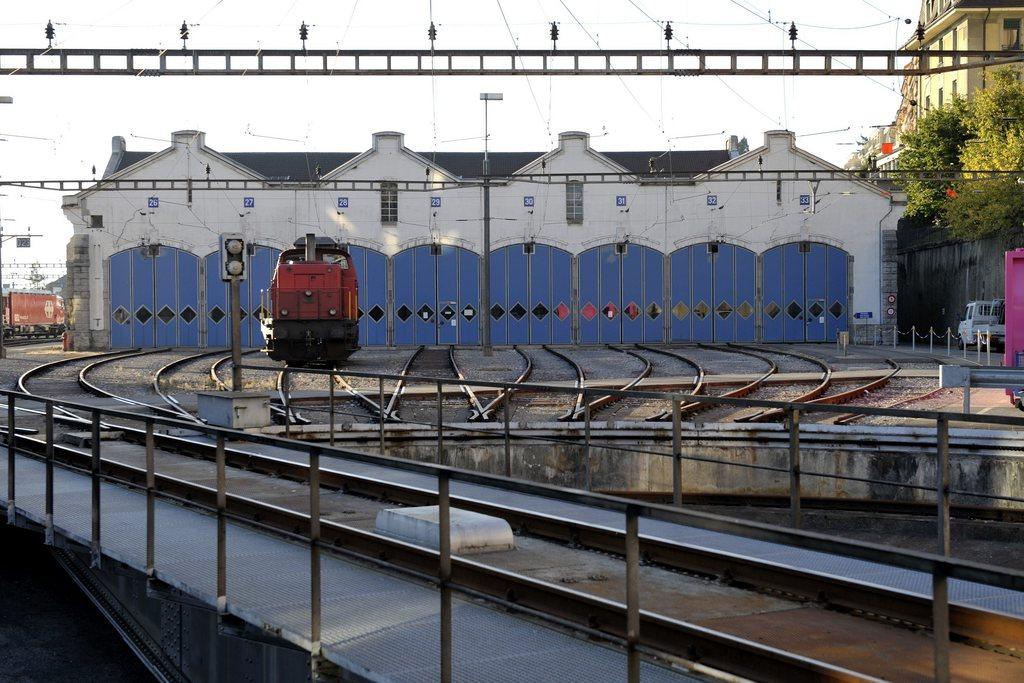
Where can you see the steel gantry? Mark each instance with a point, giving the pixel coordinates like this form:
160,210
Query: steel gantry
45,61
767,175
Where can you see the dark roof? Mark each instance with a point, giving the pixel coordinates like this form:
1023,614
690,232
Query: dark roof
301,165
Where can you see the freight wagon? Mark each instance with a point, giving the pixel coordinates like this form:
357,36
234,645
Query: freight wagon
32,314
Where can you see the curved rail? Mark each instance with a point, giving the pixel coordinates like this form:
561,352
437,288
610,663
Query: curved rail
487,413
46,367
746,389
603,401
853,417
807,397
174,364
30,341
581,379
391,410
278,410
96,390
698,380
474,403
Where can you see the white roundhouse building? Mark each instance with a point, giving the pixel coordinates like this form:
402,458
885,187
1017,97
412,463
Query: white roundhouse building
577,262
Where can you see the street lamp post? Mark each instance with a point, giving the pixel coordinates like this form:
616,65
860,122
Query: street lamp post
485,298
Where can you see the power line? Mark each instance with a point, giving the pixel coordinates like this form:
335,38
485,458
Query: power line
515,43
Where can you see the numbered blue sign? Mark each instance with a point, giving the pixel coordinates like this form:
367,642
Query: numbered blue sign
248,202
712,200
620,200
528,201
805,200
342,202
435,202
153,202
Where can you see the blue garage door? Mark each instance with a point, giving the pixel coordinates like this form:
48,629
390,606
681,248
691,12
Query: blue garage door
254,297
531,295
436,295
621,294
804,292
713,293
154,297
372,270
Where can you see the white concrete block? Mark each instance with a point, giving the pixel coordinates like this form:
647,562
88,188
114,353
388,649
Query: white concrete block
471,532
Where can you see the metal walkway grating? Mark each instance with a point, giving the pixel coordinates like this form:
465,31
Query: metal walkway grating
374,623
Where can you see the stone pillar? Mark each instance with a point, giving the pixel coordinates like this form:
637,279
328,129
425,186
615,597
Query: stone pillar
76,294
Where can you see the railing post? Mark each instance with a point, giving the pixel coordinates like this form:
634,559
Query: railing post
12,515
949,342
913,338
677,452
440,424
967,394
380,399
942,483
48,525
977,335
507,411
222,530
315,605
632,593
94,475
931,340
793,419
894,336
330,404
965,344
940,624
586,441
444,572
287,398
988,347
150,502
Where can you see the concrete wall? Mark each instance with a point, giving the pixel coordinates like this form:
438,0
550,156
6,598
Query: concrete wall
853,216
939,274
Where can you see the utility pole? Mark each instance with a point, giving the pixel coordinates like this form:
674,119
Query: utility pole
485,290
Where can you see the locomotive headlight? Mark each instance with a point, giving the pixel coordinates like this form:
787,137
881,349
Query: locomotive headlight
234,268
333,311
233,247
309,292
284,312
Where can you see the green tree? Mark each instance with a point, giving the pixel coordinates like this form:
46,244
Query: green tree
936,144
992,205
744,146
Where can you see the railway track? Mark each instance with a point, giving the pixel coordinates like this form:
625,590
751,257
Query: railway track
32,341
849,605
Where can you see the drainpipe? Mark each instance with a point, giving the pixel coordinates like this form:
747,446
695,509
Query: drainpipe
881,265
984,46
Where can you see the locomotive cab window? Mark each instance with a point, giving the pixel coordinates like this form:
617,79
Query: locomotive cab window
338,260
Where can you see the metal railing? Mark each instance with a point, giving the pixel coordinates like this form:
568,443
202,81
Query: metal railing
793,469
940,567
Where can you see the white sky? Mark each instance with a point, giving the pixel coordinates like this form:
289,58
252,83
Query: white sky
79,114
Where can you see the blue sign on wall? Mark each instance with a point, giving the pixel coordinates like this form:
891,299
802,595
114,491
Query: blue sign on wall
248,202
528,201
805,200
435,202
153,203
863,314
620,200
712,200
342,202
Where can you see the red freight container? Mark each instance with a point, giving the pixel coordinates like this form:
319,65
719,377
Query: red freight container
32,313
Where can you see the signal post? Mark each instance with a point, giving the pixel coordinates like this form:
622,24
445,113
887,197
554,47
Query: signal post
234,267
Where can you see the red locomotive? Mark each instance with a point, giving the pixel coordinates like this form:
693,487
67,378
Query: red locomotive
32,314
314,304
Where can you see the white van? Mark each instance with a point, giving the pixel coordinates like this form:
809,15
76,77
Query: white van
984,317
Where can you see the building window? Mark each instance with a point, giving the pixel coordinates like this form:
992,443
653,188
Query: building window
941,99
954,89
1011,34
388,202
574,202
96,221
928,103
